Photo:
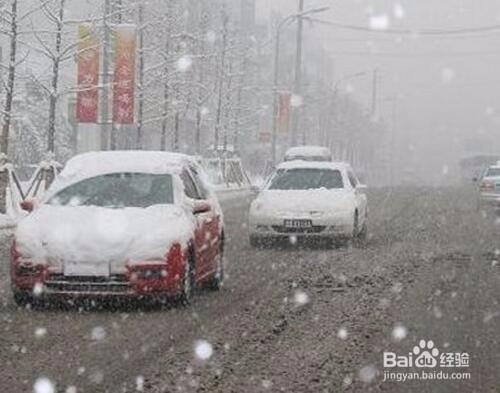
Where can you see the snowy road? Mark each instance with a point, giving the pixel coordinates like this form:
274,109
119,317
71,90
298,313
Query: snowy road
292,320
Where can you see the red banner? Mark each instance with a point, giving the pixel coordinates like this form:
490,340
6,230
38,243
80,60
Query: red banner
124,77
285,99
87,100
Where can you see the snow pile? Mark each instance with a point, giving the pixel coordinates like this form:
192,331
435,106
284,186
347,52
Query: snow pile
98,235
88,165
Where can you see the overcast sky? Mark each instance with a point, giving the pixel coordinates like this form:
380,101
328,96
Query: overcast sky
446,88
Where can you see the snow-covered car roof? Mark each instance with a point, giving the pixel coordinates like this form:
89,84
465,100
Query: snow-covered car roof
92,164
314,165
308,151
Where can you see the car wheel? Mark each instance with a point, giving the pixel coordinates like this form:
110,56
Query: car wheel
23,299
355,231
255,241
188,281
217,280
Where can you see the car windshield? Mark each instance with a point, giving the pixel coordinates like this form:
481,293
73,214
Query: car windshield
306,179
118,190
307,158
493,172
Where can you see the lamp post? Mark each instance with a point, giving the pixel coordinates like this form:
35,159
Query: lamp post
280,26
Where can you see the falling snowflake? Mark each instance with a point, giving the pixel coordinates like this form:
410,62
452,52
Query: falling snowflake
184,63
342,333
300,298
40,332
296,101
139,383
399,333
293,240
44,385
203,350
71,389
98,333
399,11
379,22
267,384
211,36
367,374
347,381
447,75
438,314
38,289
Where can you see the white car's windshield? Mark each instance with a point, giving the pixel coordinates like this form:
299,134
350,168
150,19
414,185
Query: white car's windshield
493,172
118,190
307,179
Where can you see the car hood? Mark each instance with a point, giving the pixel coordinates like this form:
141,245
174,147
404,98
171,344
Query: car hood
87,234
304,202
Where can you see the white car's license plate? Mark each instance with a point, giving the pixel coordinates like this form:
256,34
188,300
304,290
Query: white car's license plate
298,224
97,269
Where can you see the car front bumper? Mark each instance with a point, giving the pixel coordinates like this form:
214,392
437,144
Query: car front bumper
489,199
328,227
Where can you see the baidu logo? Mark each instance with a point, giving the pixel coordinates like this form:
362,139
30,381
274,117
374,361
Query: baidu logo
426,362
426,354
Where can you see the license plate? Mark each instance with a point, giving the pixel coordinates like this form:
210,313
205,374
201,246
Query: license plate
298,224
87,269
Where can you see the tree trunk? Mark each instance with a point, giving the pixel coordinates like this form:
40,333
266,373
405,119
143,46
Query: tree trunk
9,94
55,80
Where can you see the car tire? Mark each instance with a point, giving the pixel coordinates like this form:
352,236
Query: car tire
23,299
217,280
255,241
188,281
355,225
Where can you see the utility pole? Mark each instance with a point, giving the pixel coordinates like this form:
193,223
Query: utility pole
220,87
375,93
298,71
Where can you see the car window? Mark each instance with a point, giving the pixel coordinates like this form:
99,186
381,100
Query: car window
202,190
118,190
306,179
493,172
189,185
352,179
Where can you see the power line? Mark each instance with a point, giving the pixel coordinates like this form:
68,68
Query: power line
416,32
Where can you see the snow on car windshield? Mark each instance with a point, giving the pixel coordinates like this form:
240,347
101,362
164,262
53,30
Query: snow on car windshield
118,190
307,179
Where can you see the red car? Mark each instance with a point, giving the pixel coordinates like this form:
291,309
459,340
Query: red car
121,224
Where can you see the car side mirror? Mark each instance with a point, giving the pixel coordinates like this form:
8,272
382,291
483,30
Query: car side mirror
201,207
27,205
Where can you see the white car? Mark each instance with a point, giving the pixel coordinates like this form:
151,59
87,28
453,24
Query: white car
308,153
309,199
489,188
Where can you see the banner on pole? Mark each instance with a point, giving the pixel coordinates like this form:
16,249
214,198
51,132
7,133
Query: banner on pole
124,75
285,99
88,75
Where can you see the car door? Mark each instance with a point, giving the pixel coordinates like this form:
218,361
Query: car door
202,235
213,221
360,197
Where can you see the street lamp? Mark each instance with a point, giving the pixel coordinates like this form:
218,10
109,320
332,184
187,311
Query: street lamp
282,24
